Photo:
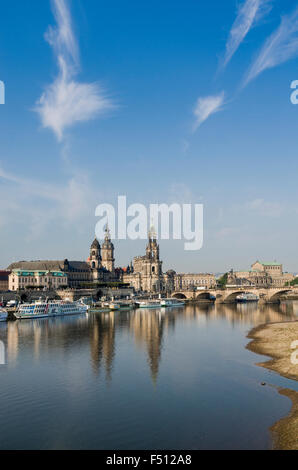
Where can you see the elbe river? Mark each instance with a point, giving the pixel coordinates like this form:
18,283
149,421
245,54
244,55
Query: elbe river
178,378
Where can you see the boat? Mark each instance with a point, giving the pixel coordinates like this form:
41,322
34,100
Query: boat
148,303
171,303
243,298
121,305
3,315
114,306
50,309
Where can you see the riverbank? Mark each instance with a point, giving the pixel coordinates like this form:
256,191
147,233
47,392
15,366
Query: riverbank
275,340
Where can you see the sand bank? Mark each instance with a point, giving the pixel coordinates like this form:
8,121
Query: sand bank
275,340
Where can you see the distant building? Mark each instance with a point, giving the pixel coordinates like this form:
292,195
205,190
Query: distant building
186,281
145,274
4,281
74,274
261,275
37,278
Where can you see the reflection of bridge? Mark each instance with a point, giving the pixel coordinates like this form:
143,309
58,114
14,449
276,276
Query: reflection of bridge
228,295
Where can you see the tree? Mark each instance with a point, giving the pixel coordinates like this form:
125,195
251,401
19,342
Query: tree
222,281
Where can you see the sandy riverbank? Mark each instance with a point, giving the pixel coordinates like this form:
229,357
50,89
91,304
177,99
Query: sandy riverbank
275,340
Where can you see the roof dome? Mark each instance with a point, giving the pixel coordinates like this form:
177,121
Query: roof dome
95,244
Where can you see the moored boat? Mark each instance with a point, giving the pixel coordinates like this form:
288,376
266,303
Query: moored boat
172,303
243,298
50,309
3,315
148,303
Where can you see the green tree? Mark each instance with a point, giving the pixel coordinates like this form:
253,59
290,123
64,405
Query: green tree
222,281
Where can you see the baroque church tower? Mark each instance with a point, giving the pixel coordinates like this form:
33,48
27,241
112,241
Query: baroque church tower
108,260
95,256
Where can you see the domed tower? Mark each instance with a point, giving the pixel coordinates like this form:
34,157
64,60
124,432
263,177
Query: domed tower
108,253
95,257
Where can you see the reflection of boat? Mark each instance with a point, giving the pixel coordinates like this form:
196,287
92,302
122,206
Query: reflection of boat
148,303
50,309
243,298
3,314
171,303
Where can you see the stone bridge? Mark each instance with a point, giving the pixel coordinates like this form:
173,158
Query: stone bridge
228,295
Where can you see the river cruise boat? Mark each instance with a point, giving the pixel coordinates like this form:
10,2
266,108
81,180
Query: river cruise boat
50,309
148,303
171,303
243,298
3,315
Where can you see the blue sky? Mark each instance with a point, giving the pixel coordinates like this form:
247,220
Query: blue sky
152,66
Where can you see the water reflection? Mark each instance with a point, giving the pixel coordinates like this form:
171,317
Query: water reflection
176,378
147,327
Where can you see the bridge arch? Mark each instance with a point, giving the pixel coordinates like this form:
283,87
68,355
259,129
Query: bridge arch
276,297
231,298
179,296
204,296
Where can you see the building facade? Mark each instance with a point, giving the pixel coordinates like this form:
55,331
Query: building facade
73,274
4,281
20,279
261,275
146,273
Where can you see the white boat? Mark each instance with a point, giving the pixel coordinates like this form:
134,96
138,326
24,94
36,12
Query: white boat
3,315
148,303
243,298
171,303
50,309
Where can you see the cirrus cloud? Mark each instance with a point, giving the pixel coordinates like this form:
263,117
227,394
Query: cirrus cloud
67,101
206,106
280,47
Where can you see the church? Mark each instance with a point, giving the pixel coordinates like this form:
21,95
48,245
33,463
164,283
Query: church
99,267
144,274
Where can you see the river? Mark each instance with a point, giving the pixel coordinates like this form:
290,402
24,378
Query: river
177,378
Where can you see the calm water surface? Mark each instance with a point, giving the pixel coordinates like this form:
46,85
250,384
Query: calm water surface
179,378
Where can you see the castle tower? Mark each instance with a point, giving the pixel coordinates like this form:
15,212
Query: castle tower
95,257
108,253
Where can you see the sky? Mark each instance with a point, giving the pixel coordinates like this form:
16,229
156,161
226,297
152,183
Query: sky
174,101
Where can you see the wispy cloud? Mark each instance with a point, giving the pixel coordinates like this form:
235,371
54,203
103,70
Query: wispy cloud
249,13
38,201
207,106
66,101
280,47
265,208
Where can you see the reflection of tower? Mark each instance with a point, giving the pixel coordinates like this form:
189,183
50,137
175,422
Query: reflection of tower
148,329
102,344
108,252
12,342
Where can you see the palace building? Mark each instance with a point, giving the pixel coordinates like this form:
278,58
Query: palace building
99,267
261,275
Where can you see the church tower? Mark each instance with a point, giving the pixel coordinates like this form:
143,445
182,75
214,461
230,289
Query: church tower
108,253
95,257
